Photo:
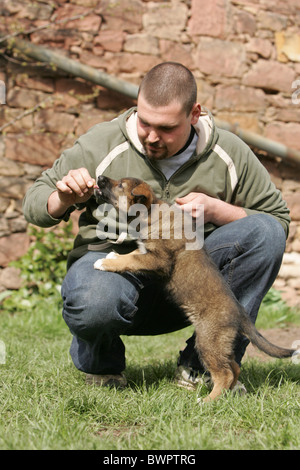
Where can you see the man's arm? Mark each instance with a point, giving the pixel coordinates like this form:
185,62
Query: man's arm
216,211
76,187
255,192
52,196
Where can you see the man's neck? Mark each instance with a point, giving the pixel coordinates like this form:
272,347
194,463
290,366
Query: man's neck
188,142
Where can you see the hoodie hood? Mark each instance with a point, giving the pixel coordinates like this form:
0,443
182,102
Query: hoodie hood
205,129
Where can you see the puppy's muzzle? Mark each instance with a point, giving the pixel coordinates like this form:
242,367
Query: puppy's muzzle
102,190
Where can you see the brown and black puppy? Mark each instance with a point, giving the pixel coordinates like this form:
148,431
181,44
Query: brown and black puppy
191,278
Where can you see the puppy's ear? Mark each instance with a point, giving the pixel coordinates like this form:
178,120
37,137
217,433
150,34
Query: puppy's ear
142,195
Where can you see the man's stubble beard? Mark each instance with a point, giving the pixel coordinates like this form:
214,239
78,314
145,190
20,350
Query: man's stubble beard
154,156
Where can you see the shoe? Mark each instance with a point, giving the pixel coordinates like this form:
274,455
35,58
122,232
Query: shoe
239,389
190,379
107,380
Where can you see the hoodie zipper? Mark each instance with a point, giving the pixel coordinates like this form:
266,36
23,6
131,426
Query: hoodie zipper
179,170
167,183
166,191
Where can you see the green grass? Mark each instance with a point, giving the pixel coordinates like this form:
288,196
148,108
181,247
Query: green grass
45,403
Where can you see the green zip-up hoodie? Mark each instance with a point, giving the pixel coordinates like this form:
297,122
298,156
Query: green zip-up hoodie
222,166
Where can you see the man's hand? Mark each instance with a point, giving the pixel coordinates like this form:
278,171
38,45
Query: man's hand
215,211
77,186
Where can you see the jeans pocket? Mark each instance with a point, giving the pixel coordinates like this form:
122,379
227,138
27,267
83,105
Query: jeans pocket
138,281
224,254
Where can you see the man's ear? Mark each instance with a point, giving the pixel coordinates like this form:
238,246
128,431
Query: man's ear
142,195
195,113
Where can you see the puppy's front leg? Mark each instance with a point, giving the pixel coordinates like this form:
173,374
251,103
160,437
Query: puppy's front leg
119,263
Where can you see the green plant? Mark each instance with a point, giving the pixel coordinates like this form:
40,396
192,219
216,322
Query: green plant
274,312
42,268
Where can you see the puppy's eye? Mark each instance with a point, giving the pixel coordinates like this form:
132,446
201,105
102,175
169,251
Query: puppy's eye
120,185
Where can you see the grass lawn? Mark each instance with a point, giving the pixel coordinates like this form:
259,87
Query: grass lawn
45,403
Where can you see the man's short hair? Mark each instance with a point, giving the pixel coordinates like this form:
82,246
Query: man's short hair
167,82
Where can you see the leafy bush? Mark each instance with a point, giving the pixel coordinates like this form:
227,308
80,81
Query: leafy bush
275,312
43,268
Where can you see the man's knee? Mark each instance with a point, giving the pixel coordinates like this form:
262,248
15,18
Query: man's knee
266,236
107,303
258,233
249,247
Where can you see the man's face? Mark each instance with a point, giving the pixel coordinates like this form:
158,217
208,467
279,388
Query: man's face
164,130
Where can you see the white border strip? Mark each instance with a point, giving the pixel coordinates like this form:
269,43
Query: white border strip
230,165
110,157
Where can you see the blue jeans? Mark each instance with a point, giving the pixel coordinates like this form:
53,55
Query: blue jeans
100,306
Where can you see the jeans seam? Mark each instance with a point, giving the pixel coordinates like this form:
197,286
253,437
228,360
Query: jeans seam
239,248
231,271
227,245
129,316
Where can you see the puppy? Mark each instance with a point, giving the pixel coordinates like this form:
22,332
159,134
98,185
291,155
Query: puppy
190,277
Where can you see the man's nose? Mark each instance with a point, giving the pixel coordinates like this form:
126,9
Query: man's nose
153,136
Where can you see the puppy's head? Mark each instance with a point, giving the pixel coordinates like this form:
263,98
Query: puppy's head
135,190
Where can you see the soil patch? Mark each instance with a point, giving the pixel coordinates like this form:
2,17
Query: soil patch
283,337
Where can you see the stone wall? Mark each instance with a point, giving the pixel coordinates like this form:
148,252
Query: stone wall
245,55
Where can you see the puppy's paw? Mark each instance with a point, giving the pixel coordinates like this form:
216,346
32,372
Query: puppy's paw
99,264
103,264
202,400
112,255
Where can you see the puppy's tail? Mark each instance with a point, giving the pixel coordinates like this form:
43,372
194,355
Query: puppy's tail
249,330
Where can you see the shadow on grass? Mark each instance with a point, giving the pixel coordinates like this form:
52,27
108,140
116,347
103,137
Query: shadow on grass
254,374
150,374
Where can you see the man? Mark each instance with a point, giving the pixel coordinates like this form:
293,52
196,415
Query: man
174,145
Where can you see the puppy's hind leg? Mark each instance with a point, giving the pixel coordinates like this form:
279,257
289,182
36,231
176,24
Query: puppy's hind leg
236,372
222,367
224,377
